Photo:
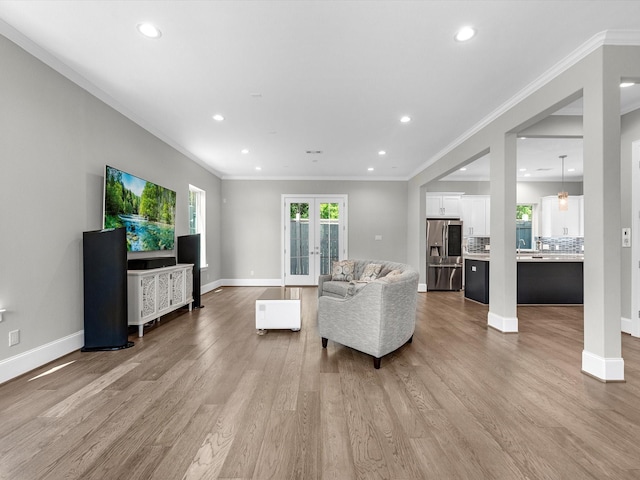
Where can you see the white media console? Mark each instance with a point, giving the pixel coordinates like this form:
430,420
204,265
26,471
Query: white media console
158,291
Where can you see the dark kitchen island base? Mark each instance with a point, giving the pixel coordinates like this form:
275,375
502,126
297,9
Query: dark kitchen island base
539,282
555,283
476,280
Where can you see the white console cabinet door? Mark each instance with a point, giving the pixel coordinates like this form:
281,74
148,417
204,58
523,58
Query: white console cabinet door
443,206
475,215
153,293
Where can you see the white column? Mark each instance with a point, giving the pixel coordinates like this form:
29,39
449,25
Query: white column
502,271
601,357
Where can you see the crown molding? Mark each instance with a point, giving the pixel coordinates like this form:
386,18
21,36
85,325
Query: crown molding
72,75
621,37
316,179
607,37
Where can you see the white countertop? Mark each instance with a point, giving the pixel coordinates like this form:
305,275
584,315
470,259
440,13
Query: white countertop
532,257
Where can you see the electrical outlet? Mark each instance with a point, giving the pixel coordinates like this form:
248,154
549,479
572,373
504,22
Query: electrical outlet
14,337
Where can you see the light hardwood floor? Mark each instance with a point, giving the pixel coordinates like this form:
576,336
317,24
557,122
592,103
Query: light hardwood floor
201,396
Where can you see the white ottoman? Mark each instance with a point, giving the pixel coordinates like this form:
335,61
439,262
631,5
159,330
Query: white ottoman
278,307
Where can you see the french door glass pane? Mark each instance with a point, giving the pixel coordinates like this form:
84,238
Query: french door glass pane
299,233
329,236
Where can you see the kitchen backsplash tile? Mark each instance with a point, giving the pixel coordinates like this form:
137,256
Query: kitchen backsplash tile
564,244
477,244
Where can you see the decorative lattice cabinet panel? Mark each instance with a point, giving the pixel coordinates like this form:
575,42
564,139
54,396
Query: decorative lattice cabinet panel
156,292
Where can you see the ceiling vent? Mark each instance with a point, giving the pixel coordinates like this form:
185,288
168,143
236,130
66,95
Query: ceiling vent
314,152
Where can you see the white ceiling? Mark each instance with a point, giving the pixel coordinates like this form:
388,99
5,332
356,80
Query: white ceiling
290,77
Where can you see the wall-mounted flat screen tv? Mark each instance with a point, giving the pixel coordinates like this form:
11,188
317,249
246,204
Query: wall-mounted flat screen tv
146,210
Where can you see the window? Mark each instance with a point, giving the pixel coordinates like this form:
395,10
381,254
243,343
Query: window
524,230
198,219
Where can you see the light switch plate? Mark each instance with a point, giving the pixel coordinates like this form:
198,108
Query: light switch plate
626,237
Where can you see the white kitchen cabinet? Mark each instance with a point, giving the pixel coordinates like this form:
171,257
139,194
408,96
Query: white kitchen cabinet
443,205
156,292
557,223
476,216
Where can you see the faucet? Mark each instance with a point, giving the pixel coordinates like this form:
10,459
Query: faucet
521,241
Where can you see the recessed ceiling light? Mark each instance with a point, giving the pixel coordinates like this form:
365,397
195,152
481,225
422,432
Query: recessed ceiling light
527,174
244,150
218,118
258,168
571,169
149,30
382,152
465,33
626,84
405,119
370,169
523,169
463,169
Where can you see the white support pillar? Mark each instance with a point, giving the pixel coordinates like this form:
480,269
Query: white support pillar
502,273
601,357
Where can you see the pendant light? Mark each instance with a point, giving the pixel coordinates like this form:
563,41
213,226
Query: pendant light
563,197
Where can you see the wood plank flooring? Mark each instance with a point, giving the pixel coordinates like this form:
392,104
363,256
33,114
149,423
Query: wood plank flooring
201,396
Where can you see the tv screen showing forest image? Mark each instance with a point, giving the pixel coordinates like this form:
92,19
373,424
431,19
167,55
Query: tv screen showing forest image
144,209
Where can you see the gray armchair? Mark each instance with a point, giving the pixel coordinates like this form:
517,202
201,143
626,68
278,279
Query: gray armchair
376,317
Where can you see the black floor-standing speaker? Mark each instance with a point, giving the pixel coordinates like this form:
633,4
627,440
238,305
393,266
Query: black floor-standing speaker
189,252
104,254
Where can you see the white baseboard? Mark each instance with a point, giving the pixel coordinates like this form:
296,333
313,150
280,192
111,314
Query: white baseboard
605,369
626,325
210,287
252,282
503,324
240,282
24,362
263,282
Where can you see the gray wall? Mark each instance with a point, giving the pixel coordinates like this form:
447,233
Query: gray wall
251,221
56,140
531,192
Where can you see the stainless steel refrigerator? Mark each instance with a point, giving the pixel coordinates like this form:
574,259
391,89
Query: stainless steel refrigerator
444,254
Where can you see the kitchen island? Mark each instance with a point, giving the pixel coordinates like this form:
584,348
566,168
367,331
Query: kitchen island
542,279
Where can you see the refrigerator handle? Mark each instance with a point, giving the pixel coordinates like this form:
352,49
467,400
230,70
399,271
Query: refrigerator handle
445,240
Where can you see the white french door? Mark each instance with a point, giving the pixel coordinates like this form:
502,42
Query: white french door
314,235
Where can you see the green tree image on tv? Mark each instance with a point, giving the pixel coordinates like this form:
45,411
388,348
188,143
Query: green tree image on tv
146,210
